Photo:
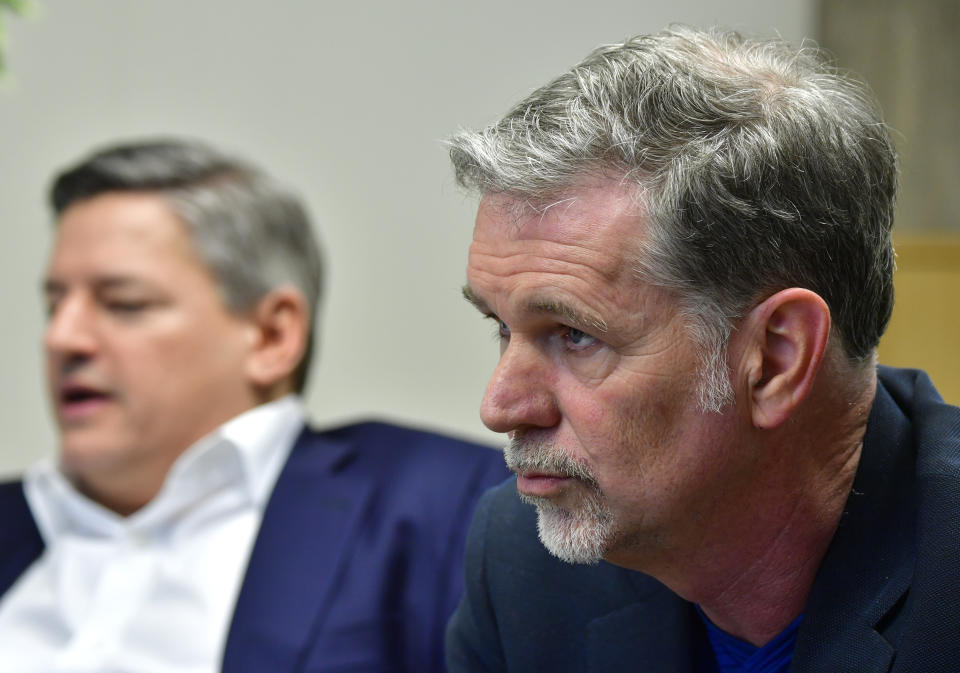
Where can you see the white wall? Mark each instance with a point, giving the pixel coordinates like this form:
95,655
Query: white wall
345,101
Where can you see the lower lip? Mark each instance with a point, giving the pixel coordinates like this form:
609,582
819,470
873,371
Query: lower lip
79,411
543,486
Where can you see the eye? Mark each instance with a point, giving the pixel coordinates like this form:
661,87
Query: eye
501,332
126,307
578,340
52,296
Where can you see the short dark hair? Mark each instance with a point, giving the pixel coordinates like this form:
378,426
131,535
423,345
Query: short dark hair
253,234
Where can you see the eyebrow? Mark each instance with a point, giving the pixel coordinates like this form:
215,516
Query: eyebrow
52,285
574,317
474,299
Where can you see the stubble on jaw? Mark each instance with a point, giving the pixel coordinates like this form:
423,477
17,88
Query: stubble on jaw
581,530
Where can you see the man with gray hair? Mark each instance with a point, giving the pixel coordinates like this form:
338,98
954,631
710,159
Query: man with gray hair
193,522
685,243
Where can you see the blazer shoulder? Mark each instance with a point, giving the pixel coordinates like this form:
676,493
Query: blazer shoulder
20,540
398,445
11,490
934,424
411,473
17,520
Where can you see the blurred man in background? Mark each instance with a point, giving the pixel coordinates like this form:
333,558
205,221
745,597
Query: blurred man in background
685,242
193,522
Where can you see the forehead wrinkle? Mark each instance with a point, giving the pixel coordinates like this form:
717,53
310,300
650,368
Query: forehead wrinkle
603,245
541,301
559,257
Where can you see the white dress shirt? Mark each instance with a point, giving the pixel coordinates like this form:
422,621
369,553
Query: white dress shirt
153,592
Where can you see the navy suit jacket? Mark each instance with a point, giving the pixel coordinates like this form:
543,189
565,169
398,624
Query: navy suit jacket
357,564
886,597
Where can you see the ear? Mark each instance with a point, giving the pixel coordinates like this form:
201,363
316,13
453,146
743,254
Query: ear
281,323
786,337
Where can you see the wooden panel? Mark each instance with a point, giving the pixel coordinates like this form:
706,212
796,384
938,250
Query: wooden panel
925,329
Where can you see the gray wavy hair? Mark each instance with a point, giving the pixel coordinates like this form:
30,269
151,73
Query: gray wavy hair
759,166
253,234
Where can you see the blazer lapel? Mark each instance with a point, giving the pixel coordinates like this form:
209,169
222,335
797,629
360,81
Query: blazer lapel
308,523
661,633
869,565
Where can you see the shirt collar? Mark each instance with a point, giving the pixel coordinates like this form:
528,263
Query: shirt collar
246,453
264,437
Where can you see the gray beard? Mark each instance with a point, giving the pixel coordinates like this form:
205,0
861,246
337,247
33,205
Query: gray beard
581,533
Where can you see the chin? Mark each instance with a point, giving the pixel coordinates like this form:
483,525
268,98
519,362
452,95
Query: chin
580,535
85,453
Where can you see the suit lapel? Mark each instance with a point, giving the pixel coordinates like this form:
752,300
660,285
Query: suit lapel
309,521
652,641
660,633
869,565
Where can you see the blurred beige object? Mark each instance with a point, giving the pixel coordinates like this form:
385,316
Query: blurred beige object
924,331
909,52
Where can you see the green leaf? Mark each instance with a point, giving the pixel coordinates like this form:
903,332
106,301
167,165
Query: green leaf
17,6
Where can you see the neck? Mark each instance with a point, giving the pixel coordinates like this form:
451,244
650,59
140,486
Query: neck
781,528
763,585
126,490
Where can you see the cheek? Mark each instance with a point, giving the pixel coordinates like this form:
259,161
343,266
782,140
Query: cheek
591,370
163,361
635,433
170,358
627,409
609,430
198,336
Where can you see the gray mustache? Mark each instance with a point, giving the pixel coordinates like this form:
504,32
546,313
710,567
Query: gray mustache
523,455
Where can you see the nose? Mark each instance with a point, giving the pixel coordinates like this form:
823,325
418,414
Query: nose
70,331
520,394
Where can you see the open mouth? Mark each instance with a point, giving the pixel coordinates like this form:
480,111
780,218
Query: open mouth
77,401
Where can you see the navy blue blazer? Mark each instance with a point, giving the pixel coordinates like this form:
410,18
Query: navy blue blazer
357,564
886,597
